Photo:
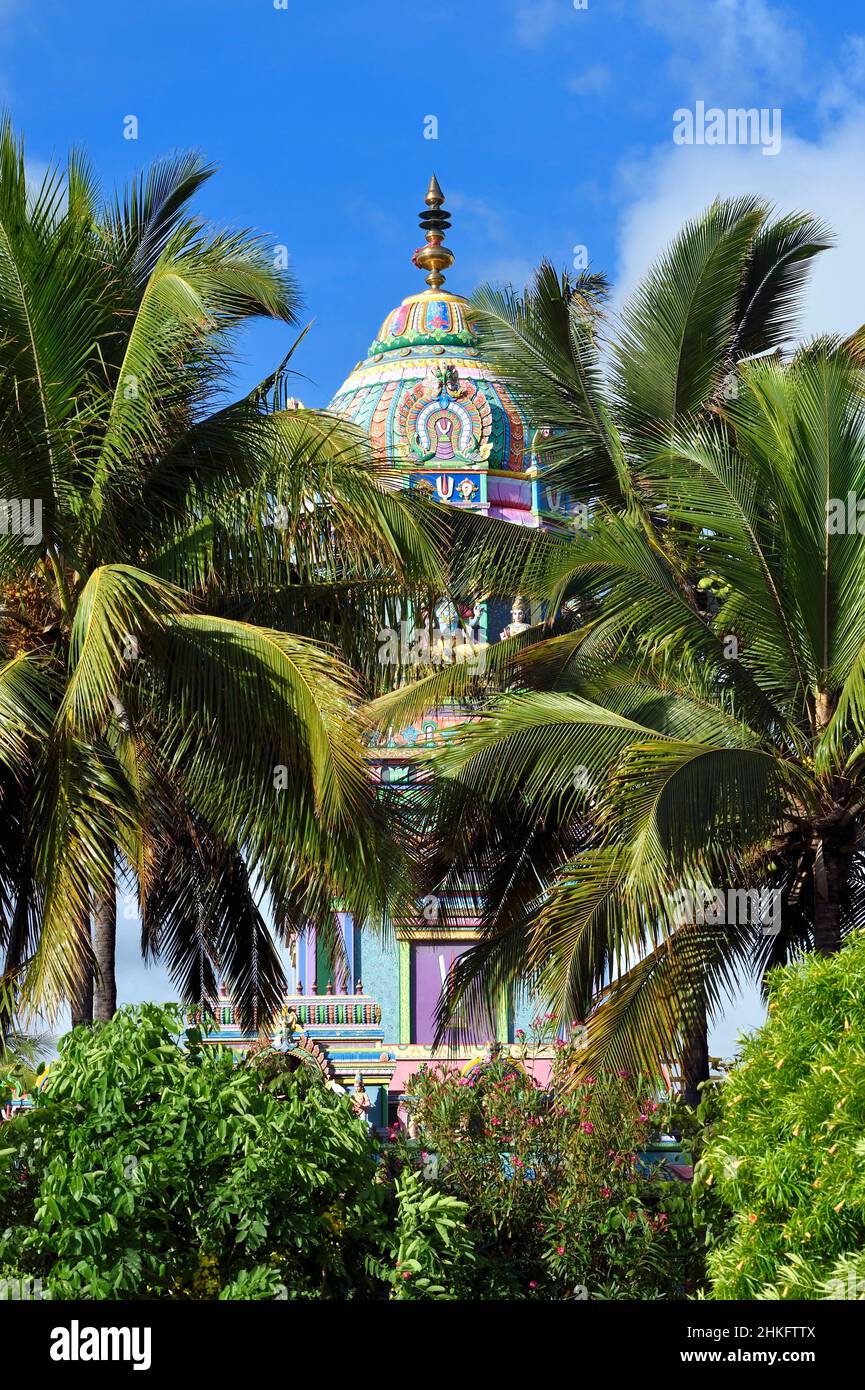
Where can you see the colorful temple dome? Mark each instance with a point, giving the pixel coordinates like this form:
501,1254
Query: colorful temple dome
434,408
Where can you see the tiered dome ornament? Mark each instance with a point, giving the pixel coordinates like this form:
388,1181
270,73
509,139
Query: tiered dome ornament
434,408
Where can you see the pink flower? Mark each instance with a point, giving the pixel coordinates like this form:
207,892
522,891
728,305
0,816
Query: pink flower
624,1075
518,1163
643,1119
560,1250
587,1127
496,1120
606,1192
533,1283
406,1274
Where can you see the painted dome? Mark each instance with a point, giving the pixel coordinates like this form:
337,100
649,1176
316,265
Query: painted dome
435,409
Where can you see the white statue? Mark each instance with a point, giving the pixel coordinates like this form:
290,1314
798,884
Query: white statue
519,619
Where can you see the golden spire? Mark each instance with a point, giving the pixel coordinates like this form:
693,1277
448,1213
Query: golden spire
434,222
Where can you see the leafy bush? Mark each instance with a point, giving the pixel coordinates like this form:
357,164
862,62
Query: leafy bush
558,1201
152,1166
432,1254
149,1170
782,1179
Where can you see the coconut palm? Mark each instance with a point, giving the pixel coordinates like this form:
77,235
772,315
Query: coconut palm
689,714
21,1054
187,579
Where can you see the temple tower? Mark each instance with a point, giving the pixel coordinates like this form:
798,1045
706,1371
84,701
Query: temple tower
439,416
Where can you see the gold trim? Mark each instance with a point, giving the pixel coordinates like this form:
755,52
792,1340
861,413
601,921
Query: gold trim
441,934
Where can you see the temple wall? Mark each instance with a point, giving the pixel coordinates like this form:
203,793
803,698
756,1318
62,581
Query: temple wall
377,964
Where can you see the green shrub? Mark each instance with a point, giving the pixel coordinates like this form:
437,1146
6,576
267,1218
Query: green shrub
149,1169
432,1252
782,1180
153,1167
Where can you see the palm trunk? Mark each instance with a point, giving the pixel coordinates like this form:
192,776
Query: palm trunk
830,870
81,998
695,1053
104,945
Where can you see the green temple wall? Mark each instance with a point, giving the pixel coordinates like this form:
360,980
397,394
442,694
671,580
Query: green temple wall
377,965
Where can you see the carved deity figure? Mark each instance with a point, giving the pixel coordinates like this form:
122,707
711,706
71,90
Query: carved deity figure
519,619
360,1101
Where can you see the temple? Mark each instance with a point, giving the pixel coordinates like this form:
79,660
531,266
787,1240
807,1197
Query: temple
438,415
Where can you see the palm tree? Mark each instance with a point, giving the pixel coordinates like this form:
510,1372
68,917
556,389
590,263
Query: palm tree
21,1054
187,580
690,713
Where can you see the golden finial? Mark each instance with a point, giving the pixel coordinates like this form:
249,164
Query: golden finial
434,222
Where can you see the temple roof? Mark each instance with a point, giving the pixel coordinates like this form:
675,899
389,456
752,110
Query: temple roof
435,408
432,319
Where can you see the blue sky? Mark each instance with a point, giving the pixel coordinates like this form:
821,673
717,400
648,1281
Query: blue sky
554,130
554,127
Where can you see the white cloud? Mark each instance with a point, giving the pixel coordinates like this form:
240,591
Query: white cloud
591,82
819,176
366,216
727,49
751,52
488,214
516,271
841,91
536,20
35,173
500,259
728,45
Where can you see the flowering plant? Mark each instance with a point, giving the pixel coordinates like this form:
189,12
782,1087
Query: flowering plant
558,1197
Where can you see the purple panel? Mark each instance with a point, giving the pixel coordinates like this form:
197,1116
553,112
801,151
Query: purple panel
429,965
507,492
311,966
345,982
